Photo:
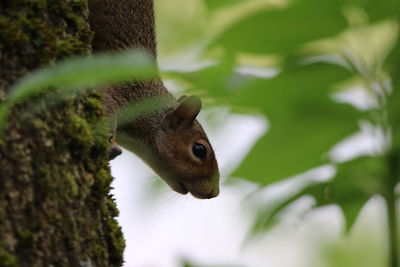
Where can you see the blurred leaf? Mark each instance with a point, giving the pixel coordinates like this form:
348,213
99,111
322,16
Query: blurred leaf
270,216
180,24
79,74
219,81
393,106
394,62
186,264
283,30
378,10
217,4
393,111
363,248
82,72
140,109
355,182
304,122
296,88
296,144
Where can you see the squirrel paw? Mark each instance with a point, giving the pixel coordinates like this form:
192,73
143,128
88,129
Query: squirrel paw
114,151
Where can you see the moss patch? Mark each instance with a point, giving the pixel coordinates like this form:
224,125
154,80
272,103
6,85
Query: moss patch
55,206
6,259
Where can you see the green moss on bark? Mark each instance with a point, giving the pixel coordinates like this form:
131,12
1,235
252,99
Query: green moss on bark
6,259
55,206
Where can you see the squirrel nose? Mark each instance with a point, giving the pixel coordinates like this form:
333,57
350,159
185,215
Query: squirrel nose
114,151
214,193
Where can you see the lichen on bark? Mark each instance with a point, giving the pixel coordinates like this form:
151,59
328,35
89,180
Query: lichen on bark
55,205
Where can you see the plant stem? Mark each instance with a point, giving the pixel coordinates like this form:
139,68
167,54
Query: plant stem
392,160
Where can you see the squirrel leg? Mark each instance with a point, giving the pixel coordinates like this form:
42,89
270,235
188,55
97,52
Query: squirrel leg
114,150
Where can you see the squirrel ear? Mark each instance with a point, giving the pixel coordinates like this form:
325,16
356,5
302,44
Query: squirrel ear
184,114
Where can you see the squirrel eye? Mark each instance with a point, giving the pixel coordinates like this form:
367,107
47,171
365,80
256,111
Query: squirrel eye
199,151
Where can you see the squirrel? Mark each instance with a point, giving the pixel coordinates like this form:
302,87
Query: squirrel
170,140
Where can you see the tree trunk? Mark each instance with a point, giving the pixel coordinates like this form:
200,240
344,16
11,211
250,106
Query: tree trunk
55,205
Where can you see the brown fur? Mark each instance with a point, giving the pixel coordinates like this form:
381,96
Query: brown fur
163,139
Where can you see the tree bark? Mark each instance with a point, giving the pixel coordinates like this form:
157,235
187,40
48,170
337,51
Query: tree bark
55,205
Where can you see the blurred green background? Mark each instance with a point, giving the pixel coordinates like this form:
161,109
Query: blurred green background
325,77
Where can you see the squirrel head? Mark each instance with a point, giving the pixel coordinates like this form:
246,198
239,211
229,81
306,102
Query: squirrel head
178,150
187,162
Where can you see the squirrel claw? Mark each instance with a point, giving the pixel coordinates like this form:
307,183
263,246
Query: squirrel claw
114,151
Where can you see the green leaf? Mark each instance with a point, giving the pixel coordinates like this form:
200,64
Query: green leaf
82,72
267,218
393,108
355,182
269,214
300,88
283,30
218,4
378,10
392,62
219,81
296,144
79,74
304,122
